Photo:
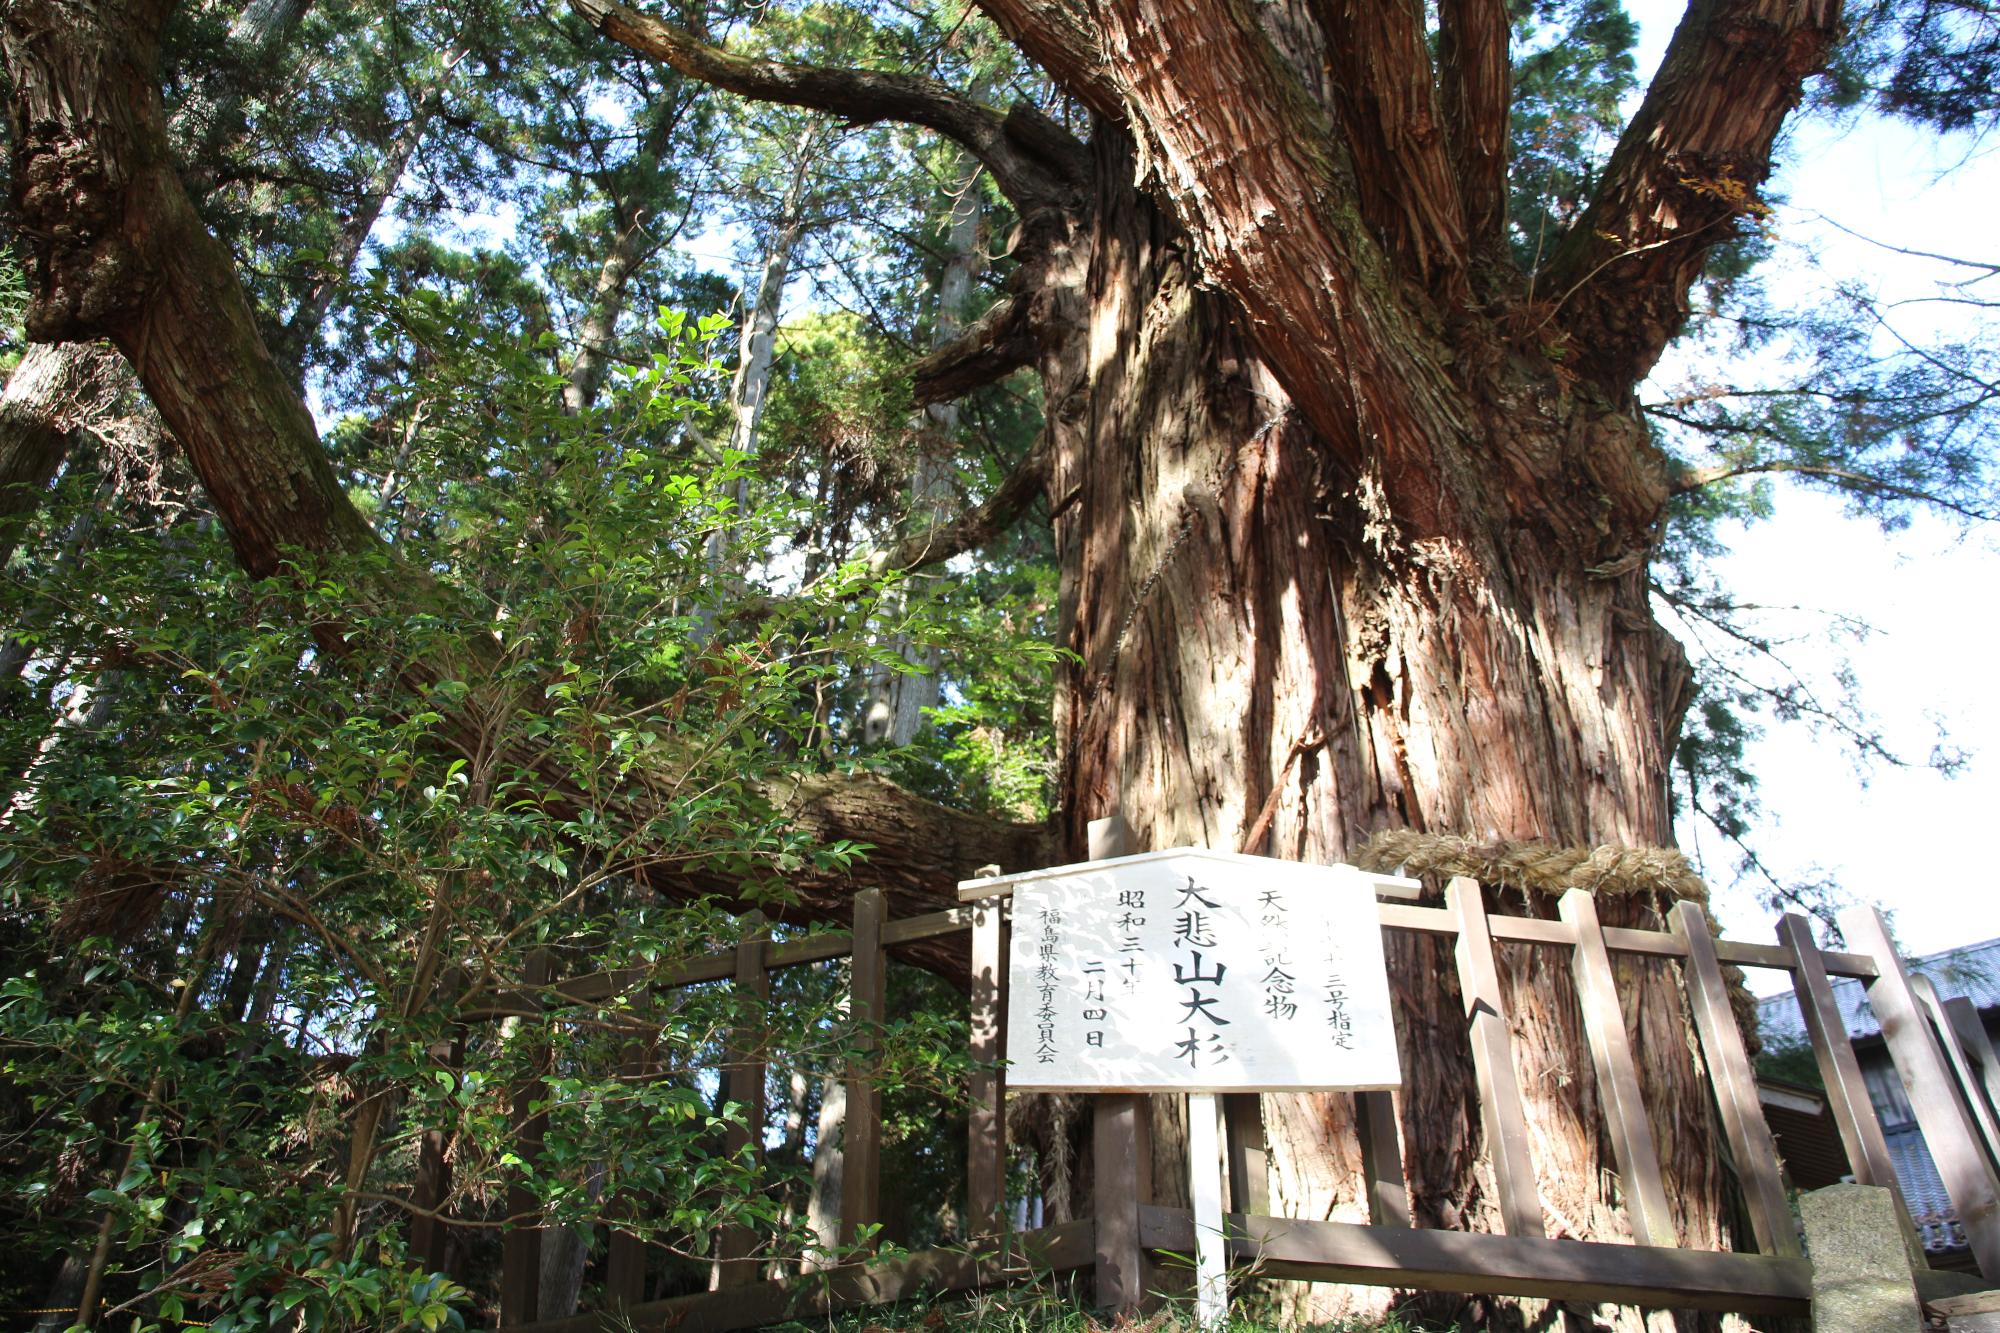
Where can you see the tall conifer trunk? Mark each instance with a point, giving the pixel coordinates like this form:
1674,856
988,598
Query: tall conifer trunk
1251,634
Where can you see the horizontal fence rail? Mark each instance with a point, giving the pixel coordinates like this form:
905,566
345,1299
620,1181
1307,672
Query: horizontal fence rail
825,946
1933,1045
1592,1272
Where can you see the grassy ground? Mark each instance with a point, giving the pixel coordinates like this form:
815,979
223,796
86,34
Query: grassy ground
1038,1310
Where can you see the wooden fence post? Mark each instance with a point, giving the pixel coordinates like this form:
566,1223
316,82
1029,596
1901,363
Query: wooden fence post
986,1119
1617,1077
1382,1159
1248,1153
861,1166
1122,1151
1964,1019
1722,1049
521,1251
428,1229
1941,1114
743,1075
1500,1109
1846,1092
625,1254
1962,1066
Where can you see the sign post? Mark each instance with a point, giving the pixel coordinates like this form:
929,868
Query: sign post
1198,972
1211,1245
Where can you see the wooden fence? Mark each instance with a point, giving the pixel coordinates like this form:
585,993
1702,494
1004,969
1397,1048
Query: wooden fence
1938,1048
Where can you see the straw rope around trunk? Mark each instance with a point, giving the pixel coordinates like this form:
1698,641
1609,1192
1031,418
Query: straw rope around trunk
1539,867
1534,866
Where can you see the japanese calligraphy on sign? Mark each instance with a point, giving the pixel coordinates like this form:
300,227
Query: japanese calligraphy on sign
1198,971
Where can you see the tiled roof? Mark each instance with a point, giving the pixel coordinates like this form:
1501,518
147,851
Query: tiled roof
1923,1190
1971,970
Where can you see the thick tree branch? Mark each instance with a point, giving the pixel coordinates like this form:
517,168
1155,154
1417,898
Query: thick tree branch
976,526
992,347
919,852
1033,160
1323,301
56,388
1477,76
119,252
1386,100
1687,167
1846,479
40,413
1063,38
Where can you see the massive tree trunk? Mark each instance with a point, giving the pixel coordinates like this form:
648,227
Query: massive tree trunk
1263,663
55,387
1350,538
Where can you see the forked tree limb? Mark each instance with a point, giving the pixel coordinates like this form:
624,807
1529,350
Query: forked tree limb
118,251
1686,170
1250,167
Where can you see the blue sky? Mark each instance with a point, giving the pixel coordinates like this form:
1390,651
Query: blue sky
1909,840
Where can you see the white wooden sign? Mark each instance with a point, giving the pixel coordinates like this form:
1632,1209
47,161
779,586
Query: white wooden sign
1195,971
